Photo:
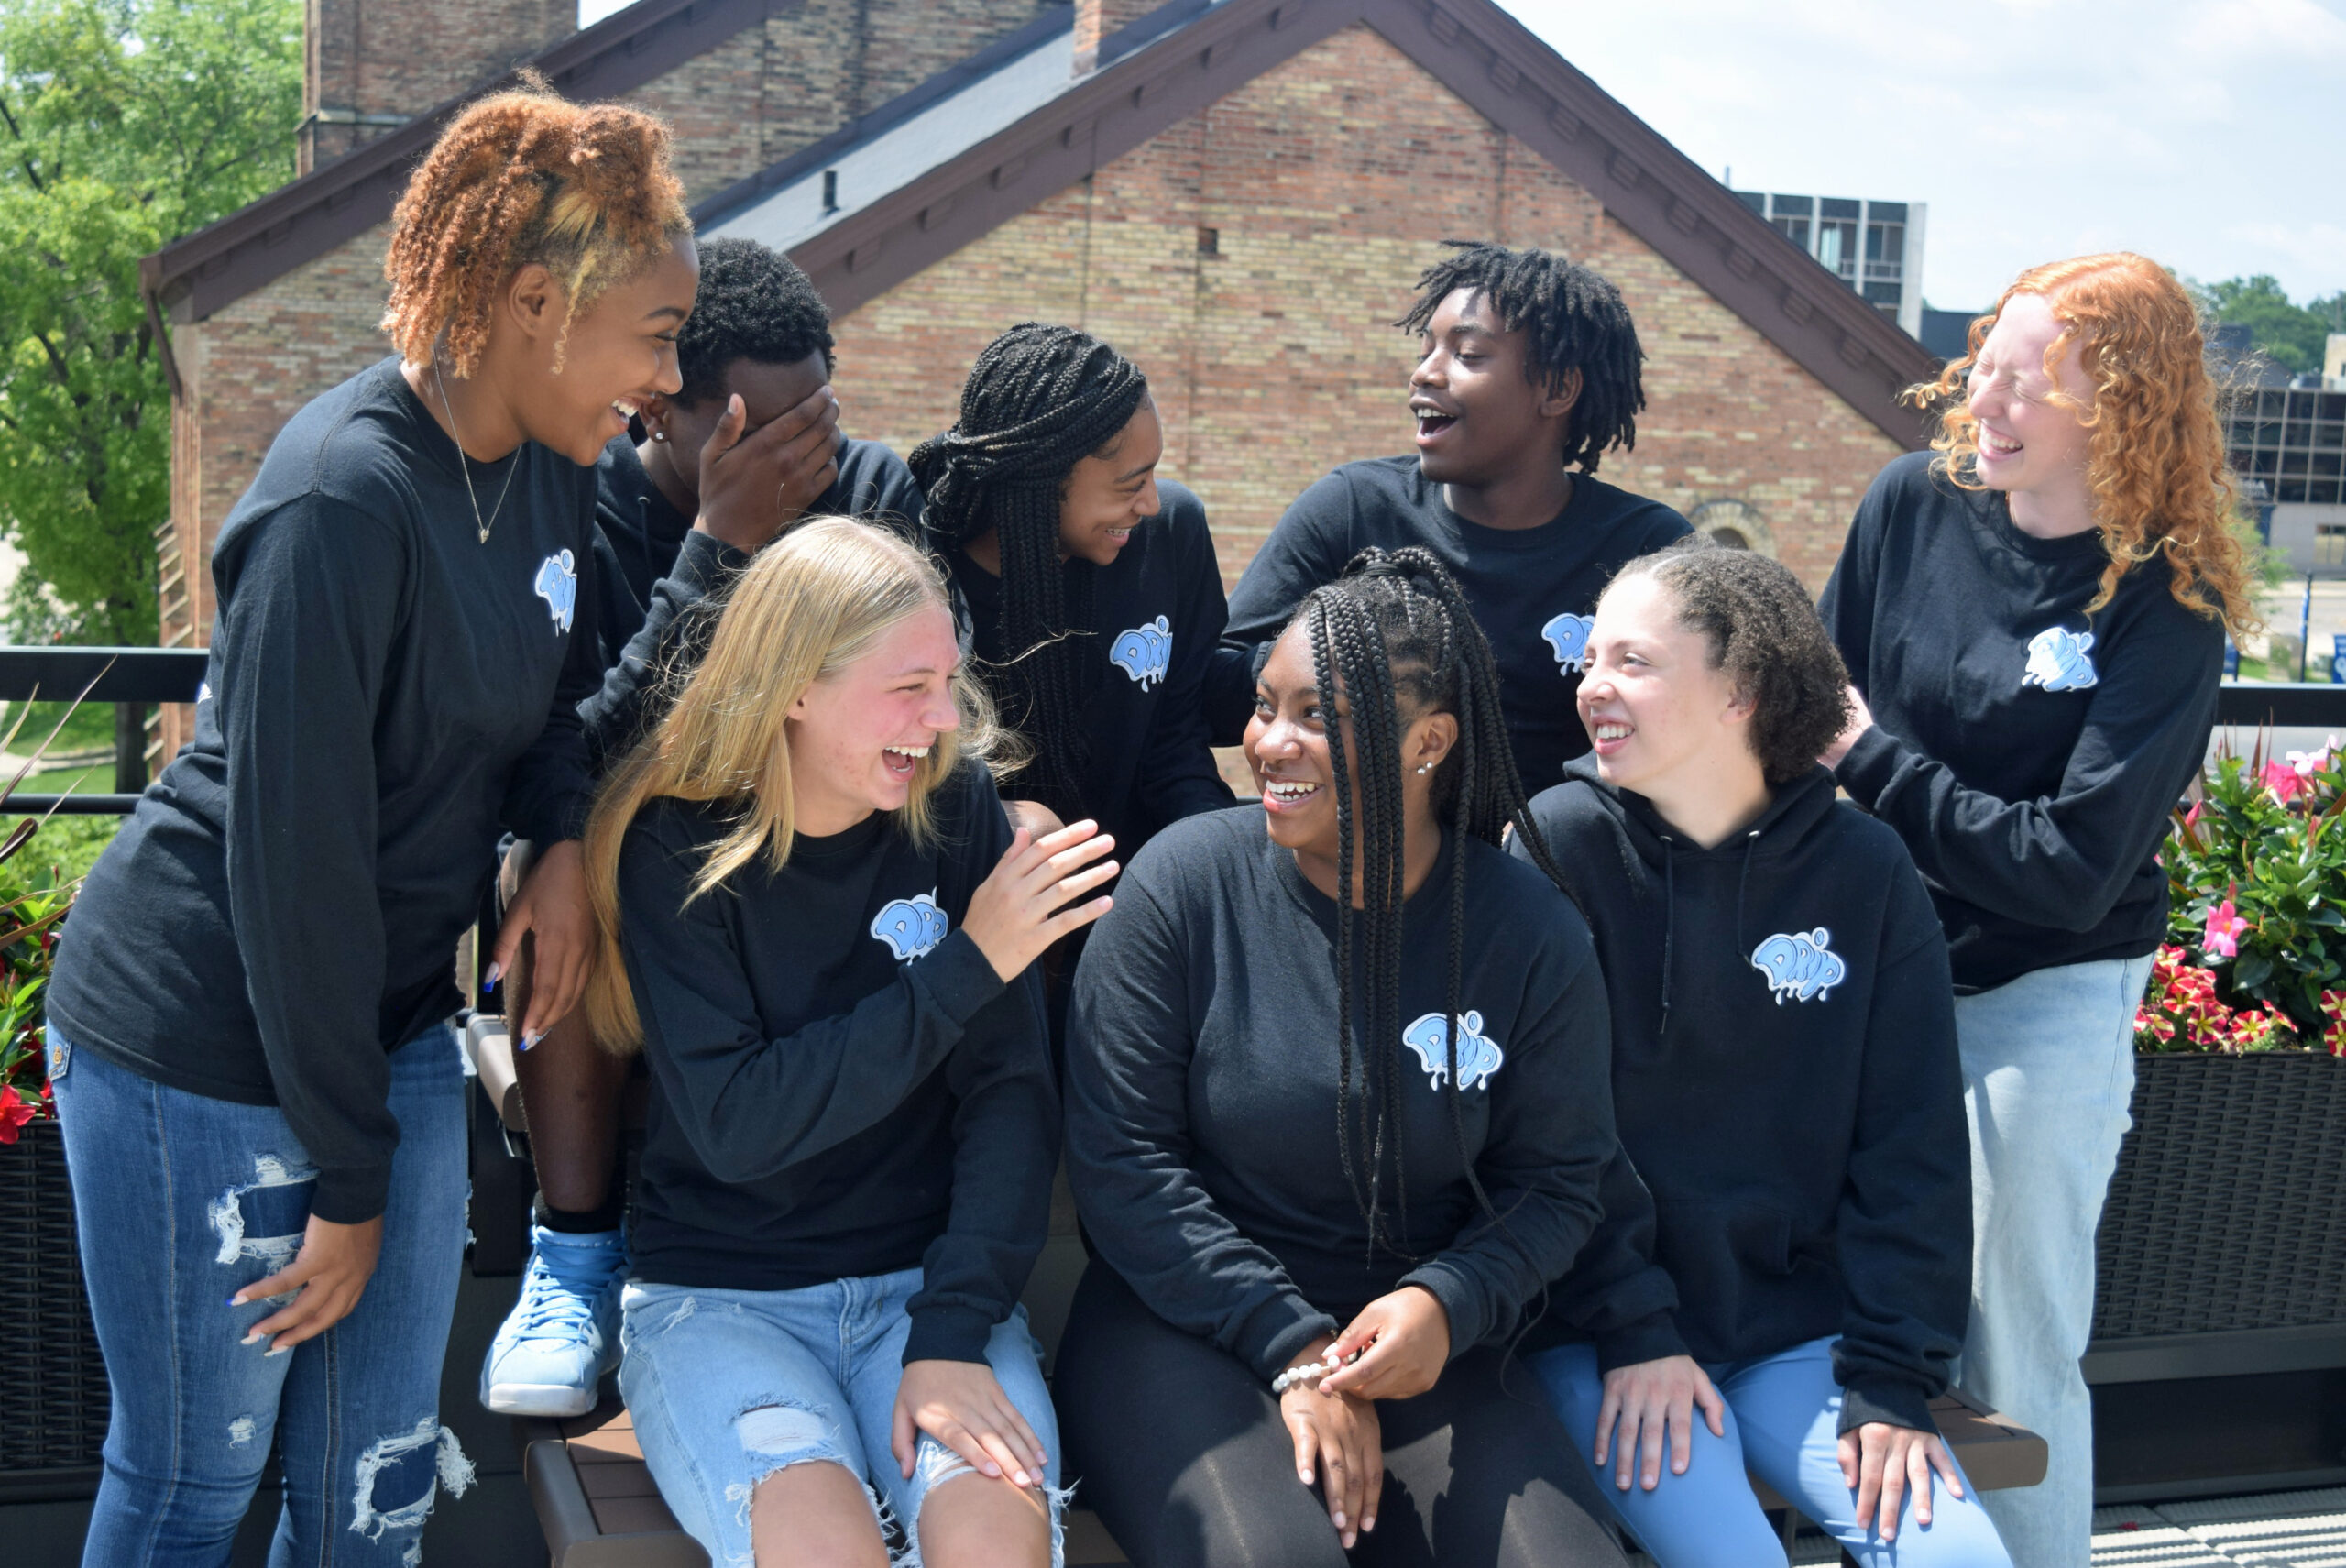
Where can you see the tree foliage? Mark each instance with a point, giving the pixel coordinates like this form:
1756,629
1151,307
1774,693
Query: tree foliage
2292,334
123,125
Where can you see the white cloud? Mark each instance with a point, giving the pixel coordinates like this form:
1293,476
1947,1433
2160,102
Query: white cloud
2204,132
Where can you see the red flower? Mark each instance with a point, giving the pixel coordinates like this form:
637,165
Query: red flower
2333,1007
14,1111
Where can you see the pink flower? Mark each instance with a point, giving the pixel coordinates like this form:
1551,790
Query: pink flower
2308,763
2223,933
2191,817
2285,783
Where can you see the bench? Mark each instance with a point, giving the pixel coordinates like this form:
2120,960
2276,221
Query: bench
598,1508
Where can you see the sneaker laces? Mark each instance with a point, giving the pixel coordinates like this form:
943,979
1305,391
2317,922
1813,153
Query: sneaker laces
555,1307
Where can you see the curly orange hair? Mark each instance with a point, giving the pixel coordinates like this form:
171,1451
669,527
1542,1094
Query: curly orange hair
525,176
2154,457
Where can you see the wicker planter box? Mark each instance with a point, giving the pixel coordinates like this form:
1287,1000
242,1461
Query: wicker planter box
2228,1212
53,1415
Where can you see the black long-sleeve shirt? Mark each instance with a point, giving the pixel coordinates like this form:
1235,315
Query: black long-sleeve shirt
2027,753
386,695
1201,1095
1532,590
841,1086
654,577
1157,614
1785,1081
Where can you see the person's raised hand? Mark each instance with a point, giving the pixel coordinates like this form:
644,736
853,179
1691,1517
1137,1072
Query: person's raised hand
961,1405
1860,720
1027,901
754,486
1402,1343
330,1272
1881,1463
553,908
1651,1400
1338,1440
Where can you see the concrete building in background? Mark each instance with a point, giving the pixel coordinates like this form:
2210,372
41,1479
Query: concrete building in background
1874,247
1239,194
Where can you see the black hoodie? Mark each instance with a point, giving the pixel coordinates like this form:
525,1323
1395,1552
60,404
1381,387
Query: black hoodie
1785,1081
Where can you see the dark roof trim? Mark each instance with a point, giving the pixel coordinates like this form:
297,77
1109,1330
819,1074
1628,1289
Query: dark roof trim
718,206
1478,53
221,263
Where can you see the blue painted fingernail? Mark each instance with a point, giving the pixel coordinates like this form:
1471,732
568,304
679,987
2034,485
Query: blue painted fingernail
528,1040
496,972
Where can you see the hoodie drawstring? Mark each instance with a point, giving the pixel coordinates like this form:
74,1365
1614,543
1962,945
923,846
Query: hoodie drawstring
1669,925
1750,842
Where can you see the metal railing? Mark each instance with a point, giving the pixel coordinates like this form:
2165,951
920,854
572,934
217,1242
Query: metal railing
130,678
133,678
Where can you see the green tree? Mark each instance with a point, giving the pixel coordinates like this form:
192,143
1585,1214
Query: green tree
123,125
2293,335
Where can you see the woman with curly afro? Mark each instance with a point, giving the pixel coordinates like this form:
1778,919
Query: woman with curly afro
1797,1258
2033,615
263,1101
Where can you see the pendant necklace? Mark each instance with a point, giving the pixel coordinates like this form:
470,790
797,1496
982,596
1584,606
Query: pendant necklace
464,464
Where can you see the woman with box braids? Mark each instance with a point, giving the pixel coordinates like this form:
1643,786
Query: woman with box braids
1038,401
1394,632
1291,1235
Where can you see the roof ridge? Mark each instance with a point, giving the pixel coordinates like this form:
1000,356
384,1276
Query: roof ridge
301,220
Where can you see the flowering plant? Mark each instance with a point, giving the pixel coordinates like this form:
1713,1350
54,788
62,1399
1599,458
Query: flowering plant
33,900
2256,938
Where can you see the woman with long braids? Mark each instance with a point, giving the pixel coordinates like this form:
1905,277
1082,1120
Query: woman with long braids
1795,1260
248,1028
1312,1245
1092,590
819,927
2034,618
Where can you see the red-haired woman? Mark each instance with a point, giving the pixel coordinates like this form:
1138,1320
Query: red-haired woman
2034,617
248,1028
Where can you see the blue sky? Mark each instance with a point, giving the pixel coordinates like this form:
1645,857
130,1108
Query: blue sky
2208,134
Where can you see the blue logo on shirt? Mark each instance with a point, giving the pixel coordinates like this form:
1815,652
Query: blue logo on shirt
1800,964
1478,1054
910,926
557,584
2057,660
1568,635
1146,651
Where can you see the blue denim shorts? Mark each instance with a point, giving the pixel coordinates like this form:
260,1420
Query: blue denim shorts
728,1386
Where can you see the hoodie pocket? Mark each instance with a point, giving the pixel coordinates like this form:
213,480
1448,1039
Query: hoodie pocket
1723,1258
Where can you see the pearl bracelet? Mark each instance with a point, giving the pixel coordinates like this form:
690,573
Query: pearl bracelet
1296,1377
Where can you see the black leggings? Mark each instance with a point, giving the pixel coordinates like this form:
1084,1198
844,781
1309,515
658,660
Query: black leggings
1180,1448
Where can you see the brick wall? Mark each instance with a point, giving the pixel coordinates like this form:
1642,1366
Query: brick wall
401,57
751,102
1250,257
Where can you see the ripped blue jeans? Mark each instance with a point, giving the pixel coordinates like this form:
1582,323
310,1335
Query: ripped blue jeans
183,1201
728,1386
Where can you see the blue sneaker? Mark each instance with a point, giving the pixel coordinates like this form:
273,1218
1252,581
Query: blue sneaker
563,1334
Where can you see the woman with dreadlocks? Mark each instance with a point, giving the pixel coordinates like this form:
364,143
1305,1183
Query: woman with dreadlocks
1528,374
1337,1110
264,1105
1092,590
1797,1258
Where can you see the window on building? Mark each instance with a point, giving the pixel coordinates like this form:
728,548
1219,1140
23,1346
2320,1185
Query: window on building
2329,544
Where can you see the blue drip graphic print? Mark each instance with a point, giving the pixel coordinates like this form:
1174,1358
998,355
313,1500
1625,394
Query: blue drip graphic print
2058,661
1800,965
1145,652
557,584
1568,635
1478,1054
910,926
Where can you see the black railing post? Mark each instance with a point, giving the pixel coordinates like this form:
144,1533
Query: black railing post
129,747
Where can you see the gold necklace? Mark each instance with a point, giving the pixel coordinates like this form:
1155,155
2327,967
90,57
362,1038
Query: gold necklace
464,464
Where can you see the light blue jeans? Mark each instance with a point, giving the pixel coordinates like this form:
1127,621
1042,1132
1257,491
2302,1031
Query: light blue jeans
1783,1413
728,1386
2048,1071
183,1201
